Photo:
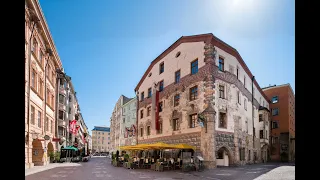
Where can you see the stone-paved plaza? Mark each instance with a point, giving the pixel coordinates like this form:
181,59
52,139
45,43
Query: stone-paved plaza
101,168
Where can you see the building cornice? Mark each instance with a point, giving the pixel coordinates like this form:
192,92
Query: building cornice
35,5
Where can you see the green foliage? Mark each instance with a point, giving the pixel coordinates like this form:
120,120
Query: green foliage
51,155
126,157
57,156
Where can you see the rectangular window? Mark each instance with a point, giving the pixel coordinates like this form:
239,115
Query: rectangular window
193,93
237,72
275,140
52,125
33,116
141,132
161,68
222,120
142,96
39,119
194,66
242,154
141,113
238,96
46,124
266,134
275,124
40,58
177,76
61,115
245,104
160,106
52,100
176,99
149,111
244,82
160,128
34,46
148,130
33,79
274,99
249,155
61,99
161,86
260,118
275,111
149,93
261,134
60,131
221,64
175,124
124,120
69,110
41,88
221,91
192,120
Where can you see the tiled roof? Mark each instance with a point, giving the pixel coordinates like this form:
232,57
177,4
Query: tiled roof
99,128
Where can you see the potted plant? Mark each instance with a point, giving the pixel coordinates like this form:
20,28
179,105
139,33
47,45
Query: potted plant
57,156
51,155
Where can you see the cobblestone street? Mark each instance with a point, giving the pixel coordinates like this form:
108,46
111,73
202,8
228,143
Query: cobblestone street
100,168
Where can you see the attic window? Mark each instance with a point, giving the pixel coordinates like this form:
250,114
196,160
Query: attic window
178,54
149,74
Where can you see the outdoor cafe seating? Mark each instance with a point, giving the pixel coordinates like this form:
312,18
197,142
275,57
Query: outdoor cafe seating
158,156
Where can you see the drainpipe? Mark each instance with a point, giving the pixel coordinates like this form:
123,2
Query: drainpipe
254,134
34,19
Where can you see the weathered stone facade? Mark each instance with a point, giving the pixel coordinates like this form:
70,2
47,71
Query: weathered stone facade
241,115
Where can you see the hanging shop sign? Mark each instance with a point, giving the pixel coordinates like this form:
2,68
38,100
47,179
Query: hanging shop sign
46,137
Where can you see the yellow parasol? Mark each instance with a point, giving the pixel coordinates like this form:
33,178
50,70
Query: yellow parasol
160,145
184,146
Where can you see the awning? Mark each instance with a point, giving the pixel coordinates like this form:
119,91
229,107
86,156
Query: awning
185,146
70,148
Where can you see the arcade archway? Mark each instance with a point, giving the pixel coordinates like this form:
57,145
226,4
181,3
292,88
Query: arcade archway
37,153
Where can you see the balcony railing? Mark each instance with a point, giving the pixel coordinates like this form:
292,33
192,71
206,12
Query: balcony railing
264,140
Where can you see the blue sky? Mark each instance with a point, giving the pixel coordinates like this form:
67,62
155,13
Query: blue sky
106,46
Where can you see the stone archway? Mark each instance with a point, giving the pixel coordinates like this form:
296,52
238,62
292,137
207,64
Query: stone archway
50,149
37,153
224,156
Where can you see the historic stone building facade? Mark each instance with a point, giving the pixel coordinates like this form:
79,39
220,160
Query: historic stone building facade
101,139
50,101
282,130
116,123
205,100
128,130
41,61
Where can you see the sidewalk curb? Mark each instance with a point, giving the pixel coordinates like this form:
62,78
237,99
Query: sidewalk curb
38,169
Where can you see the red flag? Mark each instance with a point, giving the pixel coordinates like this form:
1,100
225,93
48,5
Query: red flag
157,110
72,125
